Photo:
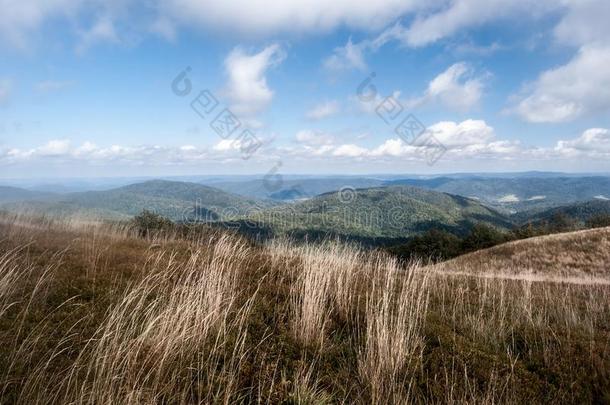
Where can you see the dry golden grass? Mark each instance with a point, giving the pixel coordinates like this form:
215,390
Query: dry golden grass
325,281
89,313
169,328
576,256
395,310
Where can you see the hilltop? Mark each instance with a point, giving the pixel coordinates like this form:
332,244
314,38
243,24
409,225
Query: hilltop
580,255
14,194
519,193
295,189
381,212
581,212
178,201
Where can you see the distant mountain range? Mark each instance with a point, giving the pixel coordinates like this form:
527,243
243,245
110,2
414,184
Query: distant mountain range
346,206
380,212
531,191
295,189
513,195
15,194
580,212
175,200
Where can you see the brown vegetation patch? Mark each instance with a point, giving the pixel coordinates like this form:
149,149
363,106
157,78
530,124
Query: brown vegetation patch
92,313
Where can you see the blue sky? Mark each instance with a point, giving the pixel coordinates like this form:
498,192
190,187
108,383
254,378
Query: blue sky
85,86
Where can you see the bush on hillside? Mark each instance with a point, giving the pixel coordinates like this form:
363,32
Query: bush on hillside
434,244
560,222
147,222
482,236
440,245
598,221
529,230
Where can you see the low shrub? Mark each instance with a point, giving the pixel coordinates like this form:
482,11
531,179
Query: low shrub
148,222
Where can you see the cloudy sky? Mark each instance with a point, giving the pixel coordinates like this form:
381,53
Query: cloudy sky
132,87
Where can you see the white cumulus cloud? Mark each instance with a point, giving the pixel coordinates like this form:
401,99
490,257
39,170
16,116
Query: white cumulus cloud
348,57
591,141
264,17
584,23
103,30
54,148
247,86
567,92
459,141
457,87
349,150
20,19
466,133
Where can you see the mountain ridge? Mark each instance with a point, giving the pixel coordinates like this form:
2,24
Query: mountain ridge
381,212
175,200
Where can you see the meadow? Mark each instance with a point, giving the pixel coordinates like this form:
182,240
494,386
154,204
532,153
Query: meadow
97,313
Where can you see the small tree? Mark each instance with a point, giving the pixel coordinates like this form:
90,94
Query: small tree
529,230
482,236
598,221
560,222
435,244
147,222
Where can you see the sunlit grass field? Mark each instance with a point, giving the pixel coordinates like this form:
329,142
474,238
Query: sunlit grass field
92,313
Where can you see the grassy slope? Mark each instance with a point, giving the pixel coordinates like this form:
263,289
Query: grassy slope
390,212
574,254
484,340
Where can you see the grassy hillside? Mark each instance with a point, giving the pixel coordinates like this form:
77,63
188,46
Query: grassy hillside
385,212
90,313
582,255
175,200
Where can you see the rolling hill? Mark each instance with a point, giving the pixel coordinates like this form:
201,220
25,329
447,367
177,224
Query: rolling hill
580,257
580,212
295,189
519,193
371,215
178,201
383,212
16,194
